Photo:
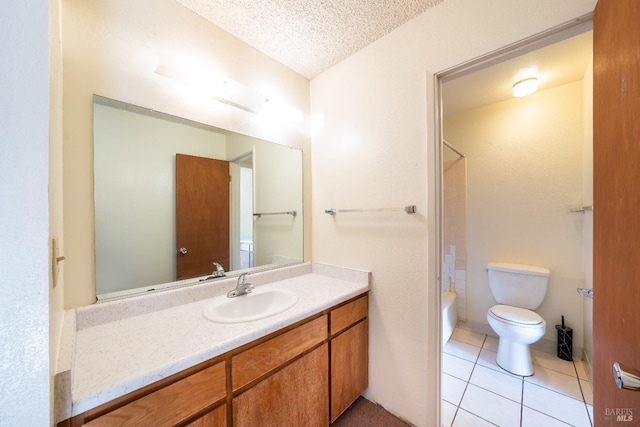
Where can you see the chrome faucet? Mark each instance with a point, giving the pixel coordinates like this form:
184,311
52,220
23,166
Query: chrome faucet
241,287
218,272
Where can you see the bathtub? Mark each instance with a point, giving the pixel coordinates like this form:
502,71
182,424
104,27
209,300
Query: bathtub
449,315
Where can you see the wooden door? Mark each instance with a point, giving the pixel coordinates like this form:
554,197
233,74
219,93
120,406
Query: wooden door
202,215
616,230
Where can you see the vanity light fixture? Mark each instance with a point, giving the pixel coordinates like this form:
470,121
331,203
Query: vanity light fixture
525,87
230,92
280,111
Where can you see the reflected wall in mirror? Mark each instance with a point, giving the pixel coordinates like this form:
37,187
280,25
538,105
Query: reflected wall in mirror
135,199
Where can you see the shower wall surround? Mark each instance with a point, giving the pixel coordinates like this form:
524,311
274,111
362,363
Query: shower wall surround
454,269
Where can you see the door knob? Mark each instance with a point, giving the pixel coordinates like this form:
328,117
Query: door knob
183,251
626,377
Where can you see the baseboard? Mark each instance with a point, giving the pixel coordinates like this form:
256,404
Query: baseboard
588,366
480,328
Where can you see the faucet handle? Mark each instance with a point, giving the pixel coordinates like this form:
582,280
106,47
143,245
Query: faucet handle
241,287
247,287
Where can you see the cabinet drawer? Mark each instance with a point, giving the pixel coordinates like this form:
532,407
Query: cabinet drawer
263,358
172,404
348,314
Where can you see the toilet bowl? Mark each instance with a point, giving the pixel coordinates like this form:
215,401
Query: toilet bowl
518,289
517,328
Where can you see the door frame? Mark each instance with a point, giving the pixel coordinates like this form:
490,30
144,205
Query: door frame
434,147
234,203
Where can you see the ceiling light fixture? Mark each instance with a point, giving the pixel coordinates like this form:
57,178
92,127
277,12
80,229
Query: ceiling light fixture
525,87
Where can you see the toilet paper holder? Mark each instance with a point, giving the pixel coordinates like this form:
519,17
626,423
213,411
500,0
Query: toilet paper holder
586,293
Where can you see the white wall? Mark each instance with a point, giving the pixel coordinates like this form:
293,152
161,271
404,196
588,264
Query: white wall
24,216
372,146
524,168
112,48
134,181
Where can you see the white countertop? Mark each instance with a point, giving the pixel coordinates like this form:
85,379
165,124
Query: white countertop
121,346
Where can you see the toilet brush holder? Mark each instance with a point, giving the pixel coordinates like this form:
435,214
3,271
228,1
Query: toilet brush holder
565,341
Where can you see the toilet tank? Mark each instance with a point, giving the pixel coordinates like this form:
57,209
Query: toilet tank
518,285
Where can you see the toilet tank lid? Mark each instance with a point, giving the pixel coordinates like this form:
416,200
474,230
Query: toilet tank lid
518,268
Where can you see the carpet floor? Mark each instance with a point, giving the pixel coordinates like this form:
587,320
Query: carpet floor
364,413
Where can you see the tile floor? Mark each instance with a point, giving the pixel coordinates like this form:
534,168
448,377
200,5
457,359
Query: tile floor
477,392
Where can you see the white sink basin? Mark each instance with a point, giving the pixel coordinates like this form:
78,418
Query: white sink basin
258,304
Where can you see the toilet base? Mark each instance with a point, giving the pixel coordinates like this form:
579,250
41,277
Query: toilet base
514,358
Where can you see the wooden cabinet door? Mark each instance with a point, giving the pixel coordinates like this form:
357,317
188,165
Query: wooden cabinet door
349,367
297,395
215,418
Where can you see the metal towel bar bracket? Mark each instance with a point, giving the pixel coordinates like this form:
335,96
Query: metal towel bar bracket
408,209
583,209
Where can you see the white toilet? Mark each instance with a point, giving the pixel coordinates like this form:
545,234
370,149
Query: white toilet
518,289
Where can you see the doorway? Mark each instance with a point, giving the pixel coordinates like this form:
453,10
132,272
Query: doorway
242,241
529,165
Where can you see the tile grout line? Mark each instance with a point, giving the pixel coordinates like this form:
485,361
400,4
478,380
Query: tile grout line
478,416
521,401
523,380
468,381
558,391
584,400
546,415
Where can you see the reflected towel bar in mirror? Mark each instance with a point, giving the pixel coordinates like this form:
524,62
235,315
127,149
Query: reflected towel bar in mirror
408,209
292,213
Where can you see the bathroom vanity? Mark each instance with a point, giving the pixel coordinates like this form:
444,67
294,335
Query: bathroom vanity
135,365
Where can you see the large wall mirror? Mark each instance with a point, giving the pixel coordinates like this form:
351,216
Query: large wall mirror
163,217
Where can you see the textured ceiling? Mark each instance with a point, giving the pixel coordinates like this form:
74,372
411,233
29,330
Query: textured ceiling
308,36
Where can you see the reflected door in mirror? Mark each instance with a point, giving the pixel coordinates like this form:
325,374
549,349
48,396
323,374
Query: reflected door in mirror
202,215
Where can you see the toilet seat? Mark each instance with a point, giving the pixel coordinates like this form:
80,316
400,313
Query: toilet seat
516,316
